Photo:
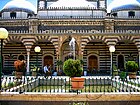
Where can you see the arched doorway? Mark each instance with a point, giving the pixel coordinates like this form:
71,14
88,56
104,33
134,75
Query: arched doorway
92,63
127,51
120,62
48,60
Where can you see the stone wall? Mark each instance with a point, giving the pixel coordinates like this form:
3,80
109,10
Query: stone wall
70,99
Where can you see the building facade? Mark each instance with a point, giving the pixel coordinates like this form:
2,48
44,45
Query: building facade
56,22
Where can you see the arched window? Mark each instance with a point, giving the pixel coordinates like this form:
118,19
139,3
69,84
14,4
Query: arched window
131,14
13,14
121,62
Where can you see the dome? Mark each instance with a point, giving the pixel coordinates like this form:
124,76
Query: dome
20,5
72,3
123,4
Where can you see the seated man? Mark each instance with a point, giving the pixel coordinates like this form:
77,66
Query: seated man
46,70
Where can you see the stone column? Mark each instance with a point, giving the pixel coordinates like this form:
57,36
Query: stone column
57,55
81,52
28,46
61,40
139,58
28,61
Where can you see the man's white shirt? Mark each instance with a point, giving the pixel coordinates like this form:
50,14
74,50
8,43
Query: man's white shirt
45,69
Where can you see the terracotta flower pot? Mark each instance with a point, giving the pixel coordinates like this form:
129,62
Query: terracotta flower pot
77,83
19,75
132,75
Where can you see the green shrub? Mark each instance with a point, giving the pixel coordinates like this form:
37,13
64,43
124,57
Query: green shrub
131,66
115,68
122,75
72,68
34,68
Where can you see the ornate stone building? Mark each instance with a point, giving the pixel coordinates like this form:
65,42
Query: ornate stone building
54,23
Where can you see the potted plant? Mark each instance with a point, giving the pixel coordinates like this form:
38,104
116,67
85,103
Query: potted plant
20,68
122,75
73,69
131,67
34,70
115,70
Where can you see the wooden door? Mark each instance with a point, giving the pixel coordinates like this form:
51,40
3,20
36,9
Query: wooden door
48,60
93,62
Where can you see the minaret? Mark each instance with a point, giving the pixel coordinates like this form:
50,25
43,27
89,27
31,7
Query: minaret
41,4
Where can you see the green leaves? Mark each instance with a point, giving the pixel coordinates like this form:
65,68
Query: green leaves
131,66
72,68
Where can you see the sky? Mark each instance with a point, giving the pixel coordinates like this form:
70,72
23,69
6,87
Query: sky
34,2
3,2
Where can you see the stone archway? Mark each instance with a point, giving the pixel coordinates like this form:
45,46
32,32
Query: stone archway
127,48
13,50
66,51
95,56
47,55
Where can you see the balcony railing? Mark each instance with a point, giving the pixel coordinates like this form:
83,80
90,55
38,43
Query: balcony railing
62,84
76,32
71,17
